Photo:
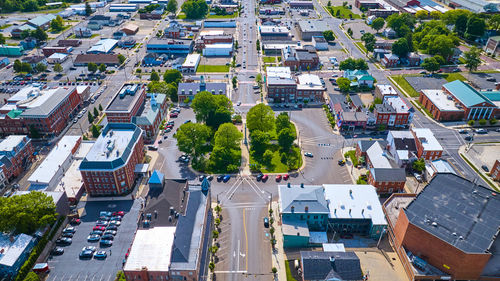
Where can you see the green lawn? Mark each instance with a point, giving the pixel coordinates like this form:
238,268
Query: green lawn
212,68
289,276
344,12
234,15
269,59
57,32
181,16
276,165
450,77
361,46
404,85
5,26
352,156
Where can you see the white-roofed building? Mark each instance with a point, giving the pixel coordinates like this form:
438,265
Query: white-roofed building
356,206
383,90
279,72
309,87
14,252
376,157
191,63
103,46
435,167
57,58
445,108
218,50
428,147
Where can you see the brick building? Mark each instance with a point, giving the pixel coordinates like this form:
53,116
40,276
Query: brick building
385,175
310,88
48,51
428,146
449,230
300,58
108,168
126,103
16,153
495,171
46,111
202,41
281,89
393,112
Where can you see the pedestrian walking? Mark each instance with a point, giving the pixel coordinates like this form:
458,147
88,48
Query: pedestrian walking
110,252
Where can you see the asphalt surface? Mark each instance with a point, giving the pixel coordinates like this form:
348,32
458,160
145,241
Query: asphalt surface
69,267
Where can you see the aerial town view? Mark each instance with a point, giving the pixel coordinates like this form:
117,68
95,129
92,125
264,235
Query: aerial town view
233,140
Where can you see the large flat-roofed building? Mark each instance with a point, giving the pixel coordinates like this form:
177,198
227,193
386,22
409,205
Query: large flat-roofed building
191,63
47,111
16,154
309,88
309,28
170,46
440,106
274,33
278,71
108,168
450,229
393,112
126,103
281,89
300,58
190,89
103,46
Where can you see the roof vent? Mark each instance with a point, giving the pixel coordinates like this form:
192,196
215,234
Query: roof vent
332,259
434,224
288,185
302,185
454,234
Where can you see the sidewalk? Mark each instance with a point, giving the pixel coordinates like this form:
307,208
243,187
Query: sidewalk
278,254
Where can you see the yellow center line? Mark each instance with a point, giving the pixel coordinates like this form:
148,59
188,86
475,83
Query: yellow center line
455,167
246,240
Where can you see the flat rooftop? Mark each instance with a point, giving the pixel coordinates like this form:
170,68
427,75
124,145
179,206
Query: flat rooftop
126,98
279,71
457,211
350,201
395,204
427,138
10,142
152,248
440,100
11,251
191,60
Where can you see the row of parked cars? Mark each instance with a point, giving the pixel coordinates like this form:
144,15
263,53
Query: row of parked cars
103,232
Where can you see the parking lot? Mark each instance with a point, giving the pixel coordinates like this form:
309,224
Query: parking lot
69,266
359,27
420,83
480,80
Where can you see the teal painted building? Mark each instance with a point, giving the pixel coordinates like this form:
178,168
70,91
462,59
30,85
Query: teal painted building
11,51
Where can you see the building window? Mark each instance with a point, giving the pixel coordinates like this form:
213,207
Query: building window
306,209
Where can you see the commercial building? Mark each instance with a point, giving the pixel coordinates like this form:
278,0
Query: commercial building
169,246
389,60
16,250
190,89
103,46
274,33
130,29
310,88
495,171
297,4
11,51
47,111
106,59
57,58
377,8
475,6
320,43
428,146
350,117
317,265
219,23
300,58
212,37
108,168
448,231
48,51
385,90
126,103
17,32
173,30
218,50
435,167
42,21
169,46
16,154
57,162
457,101
281,89
393,112
309,28
278,71
191,63
123,7
386,177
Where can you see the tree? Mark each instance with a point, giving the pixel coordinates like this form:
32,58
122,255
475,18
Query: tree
154,76
257,43
286,138
214,110
235,44
401,23
92,67
121,59
235,82
90,117
58,68
17,66
349,31
401,48
430,64
102,67
476,26
259,142
172,92
418,165
472,58
172,6
482,122
32,276
494,22
260,117
95,131
34,133
344,84
378,24
422,15
329,4
435,15
96,112
39,34
267,158
2,39
352,64
195,9
328,34
441,45
172,76
192,138
57,24
26,213
26,67
282,122
440,59
88,9
369,40
100,107
40,67
228,136
224,160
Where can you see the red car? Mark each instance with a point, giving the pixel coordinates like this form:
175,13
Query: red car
173,115
286,177
170,126
75,221
278,178
101,228
119,213
264,178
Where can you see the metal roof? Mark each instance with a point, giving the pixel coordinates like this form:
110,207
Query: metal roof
330,265
466,94
389,174
300,198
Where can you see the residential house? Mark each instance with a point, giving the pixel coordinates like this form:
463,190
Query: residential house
82,32
384,44
432,168
390,60
413,59
428,146
402,147
34,60
173,30
389,33
385,90
29,43
393,112
359,78
17,32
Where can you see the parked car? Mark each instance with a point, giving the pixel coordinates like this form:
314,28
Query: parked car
226,178
106,243
220,178
107,237
96,232
67,234
463,131
86,254
112,227
101,223
110,232
481,131
117,223
266,222
469,138
100,255
210,178
64,241
264,178
93,238
69,229
118,213
57,251
286,177
308,154
101,228
485,168
278,178
41,268
259,177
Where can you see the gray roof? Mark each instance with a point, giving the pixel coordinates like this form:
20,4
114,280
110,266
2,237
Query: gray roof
385,108
4,160
458,212
126,98
364,145
49,104
389,174
310,196
313,25
195,87
189,233
356,100
161,197
330,266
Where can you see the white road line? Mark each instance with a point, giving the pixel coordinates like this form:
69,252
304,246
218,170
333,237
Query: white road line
230,271
231,192
256,187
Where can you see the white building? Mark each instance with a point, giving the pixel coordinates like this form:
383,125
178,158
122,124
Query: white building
278,72
320,43
218,50
191,63
103,46
57,58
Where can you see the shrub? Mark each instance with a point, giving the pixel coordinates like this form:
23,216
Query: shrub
482,122
471,122
493,121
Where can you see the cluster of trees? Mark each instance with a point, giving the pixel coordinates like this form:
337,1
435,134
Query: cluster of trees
423,15
466,24
403,24
57,24
38,34
9,6
212,133
26,67
195,9
26,213
264,127
172,6
378,24
93,67
149,8
369,40
352,64
328,34
168,86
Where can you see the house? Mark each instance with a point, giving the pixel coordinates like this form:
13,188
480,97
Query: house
330,266
370,19
379,54
348,117
173,30
384,44
393,112
428,146
433,238
390,60
359,78
16,154
309,28
34,60
402,147
320,43
29,43
106,59
92,25
17,32
300,58
389,33
42,21
101,20
16,250
413,59
190,89
383,90
156,14
82,32
149,119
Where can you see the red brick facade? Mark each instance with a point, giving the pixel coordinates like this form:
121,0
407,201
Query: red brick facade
401,119
447,258
281,93
126,117
19,160
386,186
495,171
426,154
438,114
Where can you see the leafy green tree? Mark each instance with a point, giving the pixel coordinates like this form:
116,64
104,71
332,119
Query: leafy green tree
494,22
100,107
440,59
369,40
259,142
154,76
224,160
401,48
95,131
349,31
172,6
192,138
40,67
260,117
58,68
90,117
352,64
92,67
88,9
40,34
422,15
102,67
96,112
228,136
257,43
441,45
430,64
32,276
172,76
235,82
418,165
482,122
328,34
267,158
57,24
195,9
26,67
282,122
378,24
344,84
2,39
401,23
30,6
121,59
435,15
172,92
17,66
26,213
476,26
286,138
214,110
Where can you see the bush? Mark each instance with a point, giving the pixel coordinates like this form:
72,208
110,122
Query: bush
471,122
482,122
493,121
